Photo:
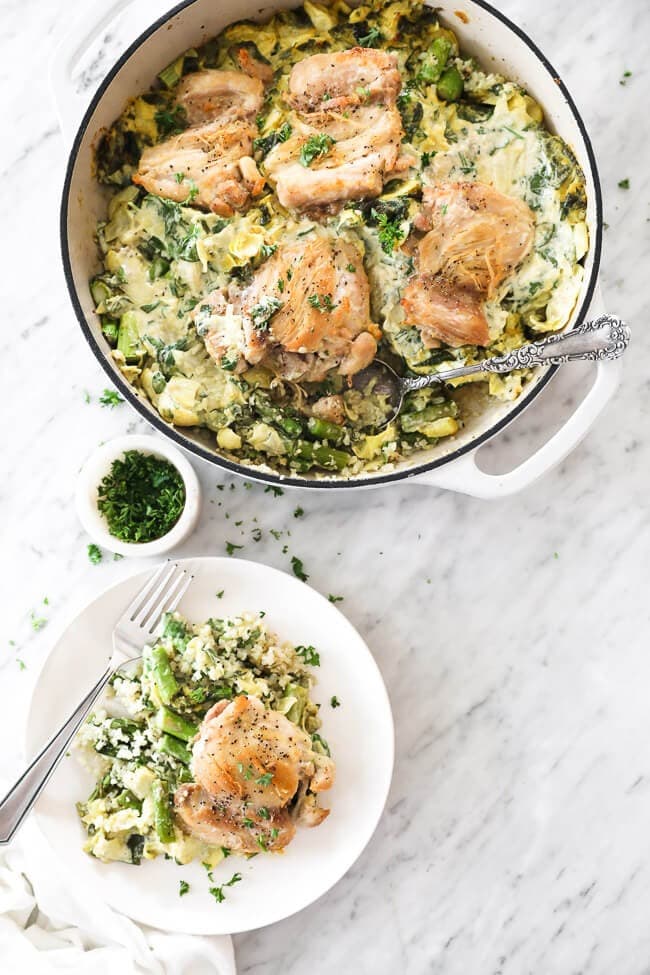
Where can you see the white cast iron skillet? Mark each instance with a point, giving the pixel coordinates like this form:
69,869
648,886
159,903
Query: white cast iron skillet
482,31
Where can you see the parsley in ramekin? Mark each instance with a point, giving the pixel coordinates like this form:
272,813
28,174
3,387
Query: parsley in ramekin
141,498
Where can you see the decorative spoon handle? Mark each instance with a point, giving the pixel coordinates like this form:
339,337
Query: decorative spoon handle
606,337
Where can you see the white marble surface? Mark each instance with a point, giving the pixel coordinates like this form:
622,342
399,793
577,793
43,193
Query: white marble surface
513,636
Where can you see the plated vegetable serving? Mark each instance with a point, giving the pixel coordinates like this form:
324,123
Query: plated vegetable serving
211,747
295,197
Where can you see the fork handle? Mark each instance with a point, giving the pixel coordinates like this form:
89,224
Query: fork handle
606,337
21,797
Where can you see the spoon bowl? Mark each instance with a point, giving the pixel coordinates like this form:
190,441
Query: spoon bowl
606,337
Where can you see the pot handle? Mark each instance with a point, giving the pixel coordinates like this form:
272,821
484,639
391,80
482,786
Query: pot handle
464,475
70,103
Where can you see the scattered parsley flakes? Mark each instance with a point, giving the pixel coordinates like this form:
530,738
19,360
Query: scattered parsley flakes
310,655
372,39
335,599
256,534
179,177
321,302
276,534
86,396
94,553
217,892
272,489
314,147
317,740
351,268
555,555
220,594
38,622
263,813
334,701
183,888
624,184
247,772
110,397
261,842
265,779
231,547
21,664
298,568
299,512
225,851
626,75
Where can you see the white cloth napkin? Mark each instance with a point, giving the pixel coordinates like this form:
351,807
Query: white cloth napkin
47,927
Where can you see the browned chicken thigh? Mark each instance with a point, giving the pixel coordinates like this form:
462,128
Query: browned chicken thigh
256,775
306,312
211,163
344,105
476,236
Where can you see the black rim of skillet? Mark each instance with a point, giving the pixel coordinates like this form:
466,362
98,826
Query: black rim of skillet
148,412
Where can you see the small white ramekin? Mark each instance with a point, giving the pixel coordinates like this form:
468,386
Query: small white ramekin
98,466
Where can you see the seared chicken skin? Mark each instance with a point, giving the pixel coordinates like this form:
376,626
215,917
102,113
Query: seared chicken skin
211,163
306,312
344,102
476,236
252,769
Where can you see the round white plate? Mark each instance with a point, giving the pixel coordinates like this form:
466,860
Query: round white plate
359,732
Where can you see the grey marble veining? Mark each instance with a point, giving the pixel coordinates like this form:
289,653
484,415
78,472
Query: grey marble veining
513,636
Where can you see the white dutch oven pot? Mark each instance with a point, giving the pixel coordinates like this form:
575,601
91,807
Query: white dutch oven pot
487,34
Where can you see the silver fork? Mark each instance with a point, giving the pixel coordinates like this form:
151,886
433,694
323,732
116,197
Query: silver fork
161,594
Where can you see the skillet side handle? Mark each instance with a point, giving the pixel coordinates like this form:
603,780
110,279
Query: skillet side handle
70,103
465,476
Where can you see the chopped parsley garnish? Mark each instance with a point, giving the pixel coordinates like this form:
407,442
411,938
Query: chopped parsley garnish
624,184
94,553
265,779
141,498
217,892
310,655
363,92
371,39
321,302
247,822
425,159
261,842
262,313
231,547
183,888
171,121
334,701
335,599
351,268
86,396
314,147
21,664
263,813
299,512
390,232
626,74
38,622
256,534
298,568
220,594
179,177
247,772
110,397
275,832
272,489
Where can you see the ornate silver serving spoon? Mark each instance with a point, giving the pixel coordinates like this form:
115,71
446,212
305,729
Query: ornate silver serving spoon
606,337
